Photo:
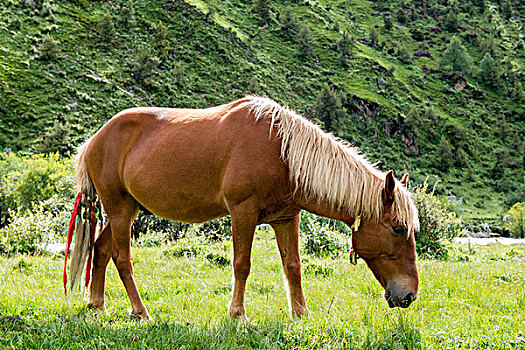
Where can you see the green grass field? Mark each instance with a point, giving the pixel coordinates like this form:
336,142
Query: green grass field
474,301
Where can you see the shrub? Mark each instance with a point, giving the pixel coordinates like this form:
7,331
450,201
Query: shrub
217,230
49,49
319,240
515,220
106,28
29,233
437,223
306,41
25,180
456,57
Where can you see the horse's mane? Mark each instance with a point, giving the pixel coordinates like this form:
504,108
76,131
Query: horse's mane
328,169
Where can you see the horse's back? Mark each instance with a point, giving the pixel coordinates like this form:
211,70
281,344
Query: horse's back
186,164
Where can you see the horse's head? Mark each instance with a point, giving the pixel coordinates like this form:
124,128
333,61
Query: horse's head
389,250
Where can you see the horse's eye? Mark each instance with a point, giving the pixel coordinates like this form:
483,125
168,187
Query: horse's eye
398,230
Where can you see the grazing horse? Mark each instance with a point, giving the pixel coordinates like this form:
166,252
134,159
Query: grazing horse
251,159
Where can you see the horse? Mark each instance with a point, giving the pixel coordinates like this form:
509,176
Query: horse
252,159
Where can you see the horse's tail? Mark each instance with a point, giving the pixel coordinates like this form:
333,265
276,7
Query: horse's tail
85,216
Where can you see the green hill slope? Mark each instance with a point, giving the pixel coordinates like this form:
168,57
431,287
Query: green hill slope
401,107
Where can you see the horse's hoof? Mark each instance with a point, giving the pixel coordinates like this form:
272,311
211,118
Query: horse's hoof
141,316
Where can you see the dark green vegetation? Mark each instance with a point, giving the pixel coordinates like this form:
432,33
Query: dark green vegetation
66,67
473,301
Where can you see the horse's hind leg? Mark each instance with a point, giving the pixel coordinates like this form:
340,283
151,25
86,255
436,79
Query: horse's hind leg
103,250
121,219
287,234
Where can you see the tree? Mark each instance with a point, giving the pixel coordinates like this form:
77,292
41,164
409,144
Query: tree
289,22
515,220
253,86
387,20
488,46
159,40
401,16
328,109
262,8
106,28
373,36
445,154
145,65
506,9
451,22
344,47
306,41
127,14
461,157
488,72
403,54
456,56
49,49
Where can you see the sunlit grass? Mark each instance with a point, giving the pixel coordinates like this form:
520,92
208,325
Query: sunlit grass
477,303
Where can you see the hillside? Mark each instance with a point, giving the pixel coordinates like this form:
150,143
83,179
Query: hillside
393,98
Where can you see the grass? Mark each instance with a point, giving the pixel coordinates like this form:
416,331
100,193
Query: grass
474,301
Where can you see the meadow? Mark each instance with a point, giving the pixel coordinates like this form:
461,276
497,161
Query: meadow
475,300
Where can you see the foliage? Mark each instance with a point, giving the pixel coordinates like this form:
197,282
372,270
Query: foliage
344,47
506,9
262,8
515,220
320,240
197,247
159,40
49,49
387,21
289,22
106,28
217,230
401,16
306,42
403,54
456,57
488,71
445,154
328,109
437,223
451,22
127,14
145,67
28,180
29,233
373,35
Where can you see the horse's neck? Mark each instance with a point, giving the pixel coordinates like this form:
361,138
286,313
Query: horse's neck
314,206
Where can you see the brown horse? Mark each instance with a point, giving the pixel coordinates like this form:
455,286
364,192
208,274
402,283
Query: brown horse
256,161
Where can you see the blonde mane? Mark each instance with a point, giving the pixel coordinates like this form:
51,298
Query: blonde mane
330,170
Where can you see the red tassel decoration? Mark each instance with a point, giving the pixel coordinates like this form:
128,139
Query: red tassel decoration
72,222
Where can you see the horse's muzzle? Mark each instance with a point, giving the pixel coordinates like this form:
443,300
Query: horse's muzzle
396,301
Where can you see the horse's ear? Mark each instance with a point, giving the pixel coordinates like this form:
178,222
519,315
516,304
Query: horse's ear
404,180
390,186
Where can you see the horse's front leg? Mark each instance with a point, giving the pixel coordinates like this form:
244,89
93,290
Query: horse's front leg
244,221
287,234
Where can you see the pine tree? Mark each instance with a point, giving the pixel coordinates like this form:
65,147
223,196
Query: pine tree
401,16
106,28
344,47
373,36
253,86
403,54
289,22
49,49
328,109
461,158
488,46
306,41
456,56
145,66
159,40
262,8
506,9
445,154
387,20
451,22
127,14
488,71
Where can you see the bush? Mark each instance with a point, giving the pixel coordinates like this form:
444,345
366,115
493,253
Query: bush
29,233
217,230
321,241
49,49
25,180
515,220
437,223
